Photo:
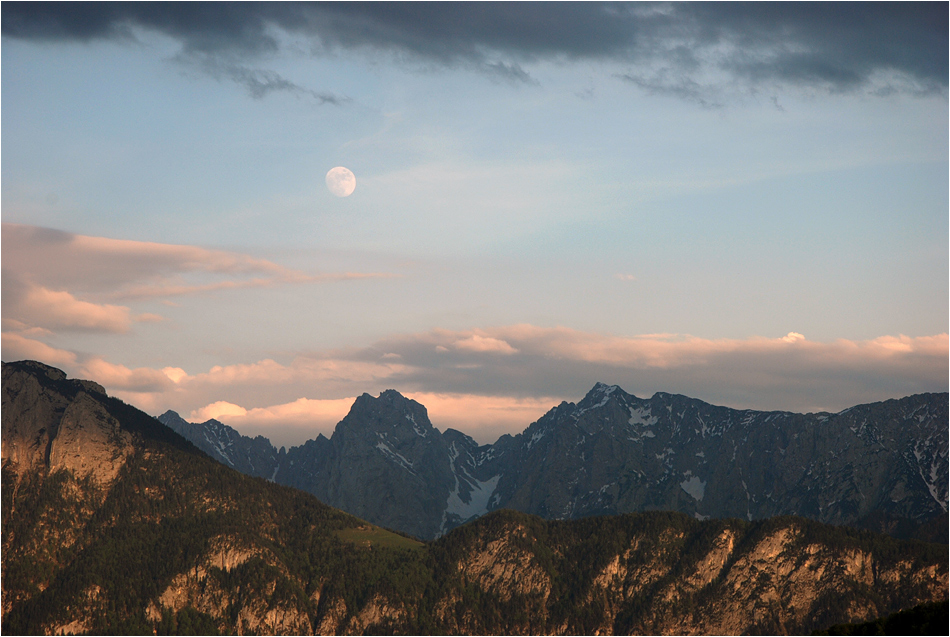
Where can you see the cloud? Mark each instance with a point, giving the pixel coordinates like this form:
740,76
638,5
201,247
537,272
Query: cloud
172,289
326,412
257,82
217,410
112,376
877,47
485,418
135,268
17,347
489,381
478,343
286,424
175,374
325,371
787,372
663,82
54,309
57,280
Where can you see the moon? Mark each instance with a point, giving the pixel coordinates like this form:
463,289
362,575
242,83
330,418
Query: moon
341,181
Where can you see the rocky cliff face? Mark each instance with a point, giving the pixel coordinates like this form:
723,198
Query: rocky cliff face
114,523
881,466
666,574
385,461
54,424
614,452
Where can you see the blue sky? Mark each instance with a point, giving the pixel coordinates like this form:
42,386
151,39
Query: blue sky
742,203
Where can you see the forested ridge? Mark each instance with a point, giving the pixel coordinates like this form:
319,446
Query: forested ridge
156,537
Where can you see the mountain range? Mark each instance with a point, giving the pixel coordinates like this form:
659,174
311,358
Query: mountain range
114,523
881,466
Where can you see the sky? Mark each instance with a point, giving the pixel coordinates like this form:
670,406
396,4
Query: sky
742,203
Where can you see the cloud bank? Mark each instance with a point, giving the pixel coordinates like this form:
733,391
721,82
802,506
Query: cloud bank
523,370
689,50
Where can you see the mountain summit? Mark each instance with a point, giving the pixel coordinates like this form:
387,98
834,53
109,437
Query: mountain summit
384,461
881,466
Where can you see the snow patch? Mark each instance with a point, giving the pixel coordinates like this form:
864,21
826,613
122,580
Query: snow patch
642,416
538,435
219,448
933,481
396,457
694,487
478,499
420,431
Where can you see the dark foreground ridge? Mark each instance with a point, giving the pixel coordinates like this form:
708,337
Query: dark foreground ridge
926,619
114,524
881,466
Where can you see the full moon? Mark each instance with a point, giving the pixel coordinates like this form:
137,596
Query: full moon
341,181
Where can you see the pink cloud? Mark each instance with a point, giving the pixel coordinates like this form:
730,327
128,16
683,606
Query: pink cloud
485,418
303,369
479,343
17,347
291,423
220,410
174,289
58,309
488,395
126,269
676,350
139,380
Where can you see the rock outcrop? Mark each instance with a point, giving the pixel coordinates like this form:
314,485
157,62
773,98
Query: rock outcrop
660,573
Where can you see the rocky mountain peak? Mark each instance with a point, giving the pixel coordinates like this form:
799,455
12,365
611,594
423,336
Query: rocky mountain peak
170,415
391,413
599,391
600,395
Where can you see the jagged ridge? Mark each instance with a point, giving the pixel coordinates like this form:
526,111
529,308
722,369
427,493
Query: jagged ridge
881,466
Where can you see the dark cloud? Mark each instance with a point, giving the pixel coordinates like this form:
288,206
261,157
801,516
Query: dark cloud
258,82
679,85
839,44
199,26
831,46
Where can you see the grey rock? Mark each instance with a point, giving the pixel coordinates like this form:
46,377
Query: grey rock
882,466
253,456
